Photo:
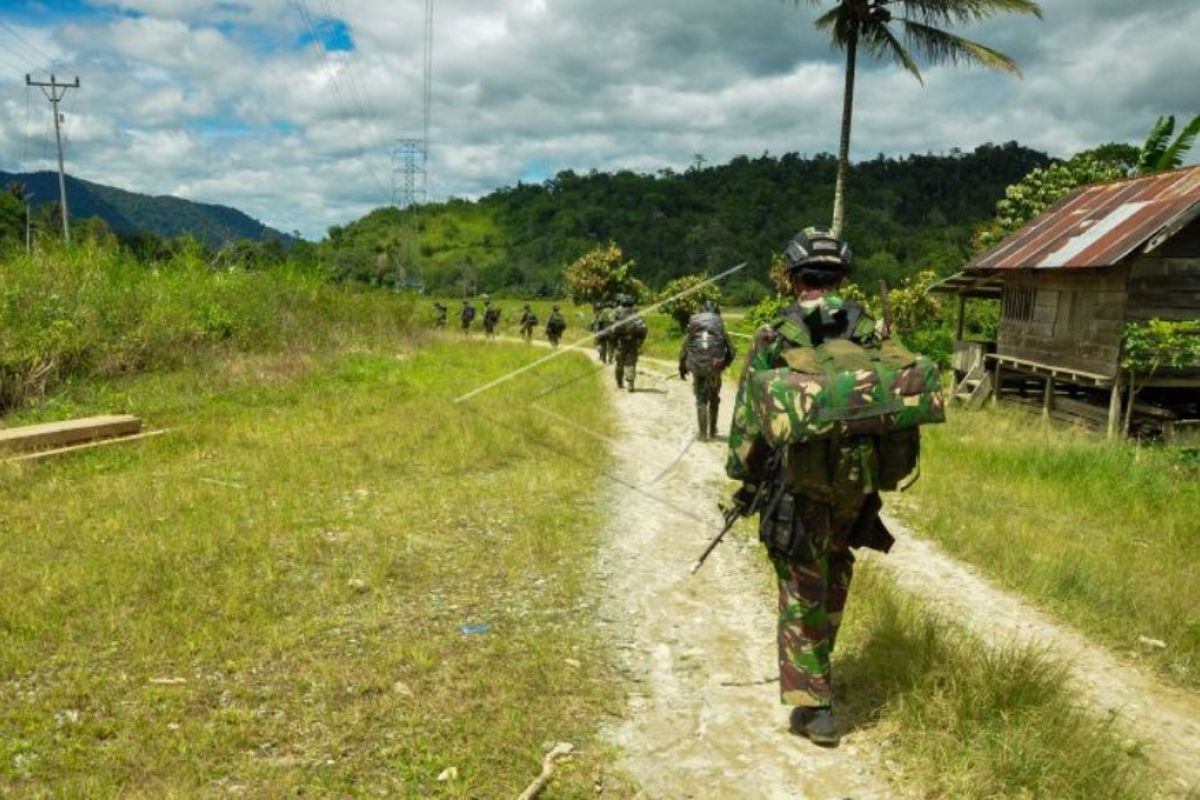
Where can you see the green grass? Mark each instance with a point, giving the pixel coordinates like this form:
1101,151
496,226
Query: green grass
95,312
967,722
269,599
1105,535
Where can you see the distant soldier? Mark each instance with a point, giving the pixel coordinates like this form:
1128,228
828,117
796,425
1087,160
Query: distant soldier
439,315
608,351
555,326
491,318
597,328
706,352
529,321
466,316
628,332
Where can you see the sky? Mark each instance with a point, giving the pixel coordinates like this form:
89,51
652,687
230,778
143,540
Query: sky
290,109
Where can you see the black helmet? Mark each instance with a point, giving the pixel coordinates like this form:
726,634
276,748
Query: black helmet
819,249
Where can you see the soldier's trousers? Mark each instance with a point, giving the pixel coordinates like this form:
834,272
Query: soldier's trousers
707,390
626,365
602,350
813,585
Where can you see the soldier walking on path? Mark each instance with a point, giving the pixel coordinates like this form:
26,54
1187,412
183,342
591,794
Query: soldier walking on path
529,321
598,326
706,352
814,479
555,326
439,315
628,332
466,316
491,318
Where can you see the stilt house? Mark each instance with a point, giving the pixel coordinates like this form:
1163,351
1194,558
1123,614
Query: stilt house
1068,282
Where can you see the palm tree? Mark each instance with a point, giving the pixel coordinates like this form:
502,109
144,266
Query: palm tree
1159,153
873,24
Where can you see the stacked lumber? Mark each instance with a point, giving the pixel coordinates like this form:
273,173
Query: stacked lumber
52,438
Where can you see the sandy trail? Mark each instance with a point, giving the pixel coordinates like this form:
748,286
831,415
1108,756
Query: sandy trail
704,720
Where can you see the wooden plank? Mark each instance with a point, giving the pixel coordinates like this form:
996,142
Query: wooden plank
58,451
68,432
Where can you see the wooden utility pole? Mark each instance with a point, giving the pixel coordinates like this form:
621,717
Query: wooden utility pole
55,92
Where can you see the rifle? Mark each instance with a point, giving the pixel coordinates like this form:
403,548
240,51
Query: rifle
734,513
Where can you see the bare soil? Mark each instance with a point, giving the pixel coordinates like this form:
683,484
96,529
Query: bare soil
704,719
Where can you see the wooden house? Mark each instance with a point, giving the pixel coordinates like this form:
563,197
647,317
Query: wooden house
1069,282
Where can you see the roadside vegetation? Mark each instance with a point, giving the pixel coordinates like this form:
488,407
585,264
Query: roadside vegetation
1103,534
327,580
96,311
966,721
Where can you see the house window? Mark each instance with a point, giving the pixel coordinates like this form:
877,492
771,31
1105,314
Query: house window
1018,303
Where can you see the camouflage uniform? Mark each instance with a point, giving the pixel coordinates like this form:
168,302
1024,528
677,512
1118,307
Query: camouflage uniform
627,345
810,530
439,315
491,318
528,321
706,389
605,346
466,316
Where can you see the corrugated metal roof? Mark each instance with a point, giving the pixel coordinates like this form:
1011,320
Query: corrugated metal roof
1097,226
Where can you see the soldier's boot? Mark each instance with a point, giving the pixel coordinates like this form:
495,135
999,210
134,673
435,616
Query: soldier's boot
816,724
702,419
620,377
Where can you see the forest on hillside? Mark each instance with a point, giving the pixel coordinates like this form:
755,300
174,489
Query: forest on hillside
904,214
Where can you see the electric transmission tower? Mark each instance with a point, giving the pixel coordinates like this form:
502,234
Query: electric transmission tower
408,192
55,92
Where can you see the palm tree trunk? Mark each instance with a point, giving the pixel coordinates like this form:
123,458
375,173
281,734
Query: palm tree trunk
839,191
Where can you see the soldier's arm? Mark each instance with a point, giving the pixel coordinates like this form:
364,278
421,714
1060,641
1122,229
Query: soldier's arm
748,450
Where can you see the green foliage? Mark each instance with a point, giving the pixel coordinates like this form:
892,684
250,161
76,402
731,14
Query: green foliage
1045,186
600,275
1159,153
768,310
1150,346
681,308
94,310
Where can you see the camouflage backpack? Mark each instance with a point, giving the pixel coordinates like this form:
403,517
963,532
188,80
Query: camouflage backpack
556,324
630,327
838,389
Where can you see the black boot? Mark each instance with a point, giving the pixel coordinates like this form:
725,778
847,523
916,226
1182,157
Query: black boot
702,419
815,724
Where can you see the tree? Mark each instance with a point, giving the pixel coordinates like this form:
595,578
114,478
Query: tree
871,23
1159,153
600,275
681,308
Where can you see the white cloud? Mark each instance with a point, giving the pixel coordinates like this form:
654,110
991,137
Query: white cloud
217,100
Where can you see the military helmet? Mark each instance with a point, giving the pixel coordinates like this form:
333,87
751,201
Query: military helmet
555,308
817,248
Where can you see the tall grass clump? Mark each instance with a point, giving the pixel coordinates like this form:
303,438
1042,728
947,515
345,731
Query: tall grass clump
95,311
973,722
1104,534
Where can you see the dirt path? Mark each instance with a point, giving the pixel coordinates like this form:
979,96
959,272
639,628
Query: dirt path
705,721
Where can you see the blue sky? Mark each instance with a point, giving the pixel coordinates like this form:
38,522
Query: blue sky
243,103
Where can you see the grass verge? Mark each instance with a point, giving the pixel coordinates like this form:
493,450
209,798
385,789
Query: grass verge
272,600
969,722
1103,534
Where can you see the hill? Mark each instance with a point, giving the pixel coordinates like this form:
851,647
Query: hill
904,213
130,213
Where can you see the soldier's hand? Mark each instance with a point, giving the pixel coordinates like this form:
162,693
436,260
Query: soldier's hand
743,498
683,373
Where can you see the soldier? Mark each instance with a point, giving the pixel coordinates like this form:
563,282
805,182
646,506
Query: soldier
824,493
628,332
706,352
439,315
491,318
555,326
597,328
529,321
466,316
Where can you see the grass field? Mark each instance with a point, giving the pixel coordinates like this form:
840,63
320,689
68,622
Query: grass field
270,601
1105,535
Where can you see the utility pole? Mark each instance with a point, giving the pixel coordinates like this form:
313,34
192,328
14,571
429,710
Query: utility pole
55,92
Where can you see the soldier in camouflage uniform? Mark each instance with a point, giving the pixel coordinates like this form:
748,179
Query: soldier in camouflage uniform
706,352
824,496
629,331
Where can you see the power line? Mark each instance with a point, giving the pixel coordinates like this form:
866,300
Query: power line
47,59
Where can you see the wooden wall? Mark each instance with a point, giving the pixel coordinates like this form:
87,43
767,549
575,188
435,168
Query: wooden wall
1074,320
1166,284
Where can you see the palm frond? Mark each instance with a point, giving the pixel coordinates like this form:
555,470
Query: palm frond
1156,145
840,24
1177,152
881,42
941,46
945,12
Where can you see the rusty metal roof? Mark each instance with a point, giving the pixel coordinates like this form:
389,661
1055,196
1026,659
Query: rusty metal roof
1098,226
